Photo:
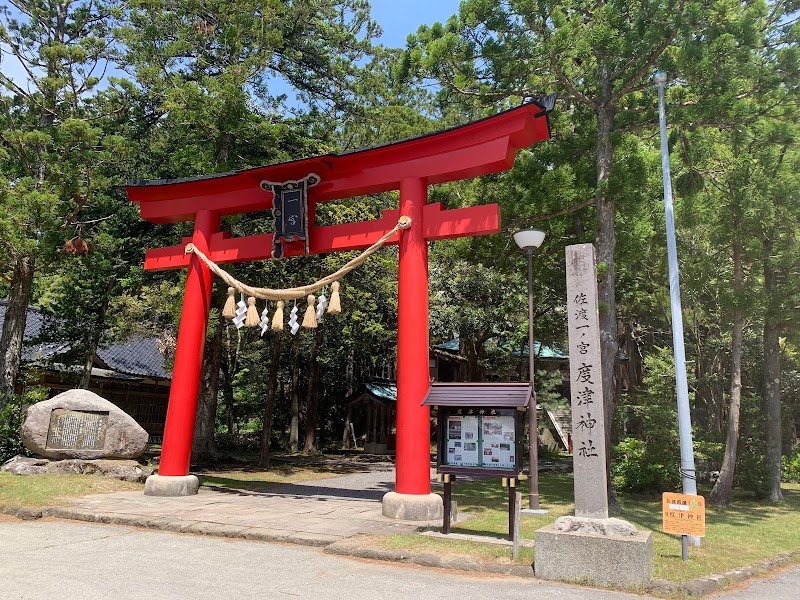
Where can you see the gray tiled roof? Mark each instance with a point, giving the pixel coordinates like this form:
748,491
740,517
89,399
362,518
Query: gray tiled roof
33,350
137,356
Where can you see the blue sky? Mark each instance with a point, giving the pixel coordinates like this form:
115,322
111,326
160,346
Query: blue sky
398,18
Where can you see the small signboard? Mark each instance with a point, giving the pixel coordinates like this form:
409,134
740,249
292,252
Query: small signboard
683,514
484,438
479,427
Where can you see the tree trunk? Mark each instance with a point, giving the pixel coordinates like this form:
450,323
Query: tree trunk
294,426
272,388
605,244
204,445
347,440
469,348
312,399
721,493
227,396
94,341
86,377
11,340
772,380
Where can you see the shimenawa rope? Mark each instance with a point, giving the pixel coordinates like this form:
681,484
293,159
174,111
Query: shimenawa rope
298,292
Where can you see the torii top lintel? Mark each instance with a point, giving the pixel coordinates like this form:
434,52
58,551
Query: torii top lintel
478,148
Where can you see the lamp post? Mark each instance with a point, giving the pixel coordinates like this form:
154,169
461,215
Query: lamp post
681,386
529,240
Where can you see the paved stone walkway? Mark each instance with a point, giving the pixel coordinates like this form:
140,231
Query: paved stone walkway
315,513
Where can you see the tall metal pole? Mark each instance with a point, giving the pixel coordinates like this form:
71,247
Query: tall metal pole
684,418
533,427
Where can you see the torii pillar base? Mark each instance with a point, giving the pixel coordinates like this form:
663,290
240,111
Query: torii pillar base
171,485
413,507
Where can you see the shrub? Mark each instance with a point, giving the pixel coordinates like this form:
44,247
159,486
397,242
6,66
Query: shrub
648,458
11,416
751,469
790,468
637,468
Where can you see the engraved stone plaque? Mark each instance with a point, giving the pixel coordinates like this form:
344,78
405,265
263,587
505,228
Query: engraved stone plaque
586,386
77,430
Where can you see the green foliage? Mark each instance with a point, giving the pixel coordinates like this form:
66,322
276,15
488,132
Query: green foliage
11,416
751,471
648,458
635,467
790,468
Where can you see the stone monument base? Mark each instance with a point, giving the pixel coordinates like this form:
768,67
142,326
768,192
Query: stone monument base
375,448
126,470
171,485
593,558
413,507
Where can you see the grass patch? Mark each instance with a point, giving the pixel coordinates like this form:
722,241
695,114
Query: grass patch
743,534
55,490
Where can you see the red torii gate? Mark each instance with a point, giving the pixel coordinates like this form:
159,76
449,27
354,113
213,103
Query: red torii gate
471,150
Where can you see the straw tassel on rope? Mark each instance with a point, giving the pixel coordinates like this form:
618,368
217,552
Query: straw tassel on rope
310,318
277,318
335,305
252,313
230,304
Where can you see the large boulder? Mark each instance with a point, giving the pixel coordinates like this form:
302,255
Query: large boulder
81,424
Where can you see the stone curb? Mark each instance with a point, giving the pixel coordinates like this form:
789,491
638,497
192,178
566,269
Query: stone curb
332,545
427,559
716,583
24,512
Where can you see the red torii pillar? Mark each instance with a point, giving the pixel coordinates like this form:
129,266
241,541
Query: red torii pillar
471,150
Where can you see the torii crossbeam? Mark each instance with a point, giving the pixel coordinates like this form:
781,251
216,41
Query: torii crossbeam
472,150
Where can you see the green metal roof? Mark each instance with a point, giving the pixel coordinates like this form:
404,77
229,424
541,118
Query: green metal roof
384,391
540,351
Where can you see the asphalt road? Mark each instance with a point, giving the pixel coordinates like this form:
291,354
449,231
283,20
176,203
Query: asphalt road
68,560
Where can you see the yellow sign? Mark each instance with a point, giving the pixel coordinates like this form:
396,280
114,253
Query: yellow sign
683,514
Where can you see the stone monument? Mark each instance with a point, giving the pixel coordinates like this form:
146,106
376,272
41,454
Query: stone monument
79,432
81,424
589,546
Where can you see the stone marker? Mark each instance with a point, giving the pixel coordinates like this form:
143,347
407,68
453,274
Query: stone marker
81,424
586,384
593,558
589,546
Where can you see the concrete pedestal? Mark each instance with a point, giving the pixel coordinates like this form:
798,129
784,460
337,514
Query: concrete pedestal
413,507
375,448
171,485
592,558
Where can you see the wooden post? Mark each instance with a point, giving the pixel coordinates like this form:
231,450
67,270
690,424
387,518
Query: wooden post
512,497
515,538
447,480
